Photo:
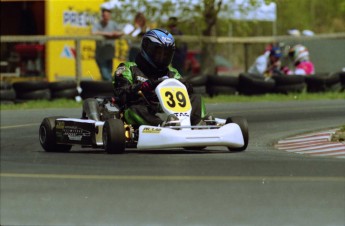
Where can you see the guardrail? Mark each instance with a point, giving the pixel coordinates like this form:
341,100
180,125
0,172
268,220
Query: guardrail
246,41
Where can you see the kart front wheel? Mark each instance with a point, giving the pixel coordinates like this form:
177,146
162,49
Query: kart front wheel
114,139
47,136
242,122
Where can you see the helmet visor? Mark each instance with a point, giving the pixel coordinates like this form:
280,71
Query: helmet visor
160,56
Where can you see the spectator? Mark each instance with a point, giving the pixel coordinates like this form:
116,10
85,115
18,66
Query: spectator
299,54
138,30
105,49
179,58
268,63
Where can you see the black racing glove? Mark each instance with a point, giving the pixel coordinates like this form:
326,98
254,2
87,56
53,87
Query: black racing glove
147,86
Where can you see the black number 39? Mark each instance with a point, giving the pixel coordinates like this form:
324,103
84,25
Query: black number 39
181,99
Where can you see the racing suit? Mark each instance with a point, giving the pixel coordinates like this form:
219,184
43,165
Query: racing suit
139,110
301,68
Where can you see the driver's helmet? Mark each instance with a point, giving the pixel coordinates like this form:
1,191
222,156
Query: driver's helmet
276,52
158,48
299,53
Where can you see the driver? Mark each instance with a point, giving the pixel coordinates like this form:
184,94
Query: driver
135,82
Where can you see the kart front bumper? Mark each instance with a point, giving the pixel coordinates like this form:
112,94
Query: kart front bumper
151,137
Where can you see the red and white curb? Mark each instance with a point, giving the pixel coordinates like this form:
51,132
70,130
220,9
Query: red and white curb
315,144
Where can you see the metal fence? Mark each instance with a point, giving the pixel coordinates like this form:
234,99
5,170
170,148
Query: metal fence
242,51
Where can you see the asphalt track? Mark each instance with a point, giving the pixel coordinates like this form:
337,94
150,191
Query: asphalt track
261,186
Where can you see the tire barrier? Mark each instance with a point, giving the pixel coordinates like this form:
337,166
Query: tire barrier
96,88
289,83
198,83
197,80
7,93
65,94
64,89
342,80
32,90
245,84
217,85
323,83
251,84
219,90
41,94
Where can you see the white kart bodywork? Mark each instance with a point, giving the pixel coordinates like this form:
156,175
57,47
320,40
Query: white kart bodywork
185,135
151,137
174,99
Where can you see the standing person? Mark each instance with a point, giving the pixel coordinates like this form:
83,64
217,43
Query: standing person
179,58
105,49
274,63
151,66
299,54
138,30
268,63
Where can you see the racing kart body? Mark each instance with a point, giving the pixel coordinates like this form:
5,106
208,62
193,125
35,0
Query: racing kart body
113,134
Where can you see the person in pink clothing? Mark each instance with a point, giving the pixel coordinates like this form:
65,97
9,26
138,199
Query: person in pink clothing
299,54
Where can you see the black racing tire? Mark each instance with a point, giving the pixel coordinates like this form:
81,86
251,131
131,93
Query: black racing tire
199,80
213,90
47,136
5,85
250,84
242,122
342,80
7,94
43,94
292,88
323,83
65,94
284,80
96,86
28,86
62,85
223,80
114,139
199,90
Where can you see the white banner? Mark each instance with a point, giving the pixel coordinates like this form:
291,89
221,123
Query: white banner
244,10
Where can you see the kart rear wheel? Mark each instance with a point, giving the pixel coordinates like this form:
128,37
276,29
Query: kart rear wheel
114,139
242,122
47,136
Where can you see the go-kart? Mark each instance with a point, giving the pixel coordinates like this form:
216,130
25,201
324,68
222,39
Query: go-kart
111,132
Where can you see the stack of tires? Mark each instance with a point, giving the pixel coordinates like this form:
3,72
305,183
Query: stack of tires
252,84
289,83
217,85
32,90
64,89
323,83
7,93
91,89
342,80
198,83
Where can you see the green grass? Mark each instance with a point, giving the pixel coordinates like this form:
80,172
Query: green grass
62,103
342,128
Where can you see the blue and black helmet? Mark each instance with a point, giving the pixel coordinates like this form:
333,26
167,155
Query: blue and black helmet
276,52
158,48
